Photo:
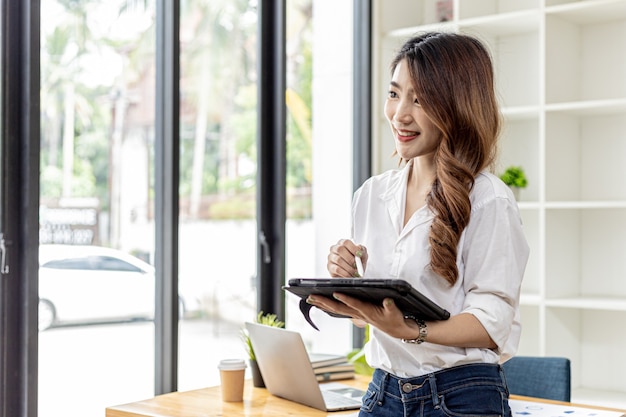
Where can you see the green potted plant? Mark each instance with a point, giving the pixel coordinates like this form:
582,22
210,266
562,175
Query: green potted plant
515,178
357,357
268,320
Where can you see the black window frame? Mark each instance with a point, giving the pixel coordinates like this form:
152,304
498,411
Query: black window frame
271,157
19,222
167,150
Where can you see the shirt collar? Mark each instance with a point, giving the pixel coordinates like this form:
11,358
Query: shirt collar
394,198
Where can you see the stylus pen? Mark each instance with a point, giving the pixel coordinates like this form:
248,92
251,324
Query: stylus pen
359,265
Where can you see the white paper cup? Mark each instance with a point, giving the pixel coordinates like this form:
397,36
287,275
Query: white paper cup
232,372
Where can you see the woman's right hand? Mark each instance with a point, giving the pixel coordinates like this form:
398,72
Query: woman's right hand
342,259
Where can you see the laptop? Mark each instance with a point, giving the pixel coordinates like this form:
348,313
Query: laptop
288,373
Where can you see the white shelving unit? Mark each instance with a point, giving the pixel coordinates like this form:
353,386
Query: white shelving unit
561,76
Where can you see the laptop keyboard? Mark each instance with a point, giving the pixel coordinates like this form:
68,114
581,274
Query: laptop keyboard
333,399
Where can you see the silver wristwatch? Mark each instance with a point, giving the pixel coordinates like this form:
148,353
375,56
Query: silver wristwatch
421,338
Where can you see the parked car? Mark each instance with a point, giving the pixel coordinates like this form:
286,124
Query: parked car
87,284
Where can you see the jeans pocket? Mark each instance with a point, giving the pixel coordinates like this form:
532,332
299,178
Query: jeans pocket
476,400
369,401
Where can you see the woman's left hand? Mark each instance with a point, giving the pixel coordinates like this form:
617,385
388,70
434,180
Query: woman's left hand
461,330
385,317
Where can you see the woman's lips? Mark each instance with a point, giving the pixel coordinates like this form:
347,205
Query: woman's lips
406,136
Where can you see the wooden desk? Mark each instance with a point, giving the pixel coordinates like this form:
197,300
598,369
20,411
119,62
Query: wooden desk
207,402
257,402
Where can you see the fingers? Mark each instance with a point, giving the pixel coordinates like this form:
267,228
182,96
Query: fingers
332,305
342,259
385,316
389,305
364,311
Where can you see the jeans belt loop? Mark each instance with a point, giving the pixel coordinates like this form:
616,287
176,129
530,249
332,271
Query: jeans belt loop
383,383
433,390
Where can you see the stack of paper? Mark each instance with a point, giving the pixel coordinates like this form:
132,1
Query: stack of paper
537,408
330,367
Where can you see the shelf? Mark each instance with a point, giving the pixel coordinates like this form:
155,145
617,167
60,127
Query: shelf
530,300
484,8
582,205
559,69
407,32
587,154
506,24
528,205
520,112
519,146
575,303
522,21
590,12
585,59
493,25
588,303
589,107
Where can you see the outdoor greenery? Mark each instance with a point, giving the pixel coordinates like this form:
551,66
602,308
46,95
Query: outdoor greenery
94,99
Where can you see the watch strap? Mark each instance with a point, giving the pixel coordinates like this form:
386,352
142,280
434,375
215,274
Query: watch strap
423,331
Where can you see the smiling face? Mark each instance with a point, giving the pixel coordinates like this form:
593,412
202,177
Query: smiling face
414,133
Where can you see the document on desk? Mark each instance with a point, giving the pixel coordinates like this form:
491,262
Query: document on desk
520,408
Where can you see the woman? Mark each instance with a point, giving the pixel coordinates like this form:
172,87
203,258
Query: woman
446,225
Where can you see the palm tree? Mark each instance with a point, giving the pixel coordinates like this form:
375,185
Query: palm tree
60,65
213,51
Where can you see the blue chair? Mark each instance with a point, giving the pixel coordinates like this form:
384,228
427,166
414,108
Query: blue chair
541,377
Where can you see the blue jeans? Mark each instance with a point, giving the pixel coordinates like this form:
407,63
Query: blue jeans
466,390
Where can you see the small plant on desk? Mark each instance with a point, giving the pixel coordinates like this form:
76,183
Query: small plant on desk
268,320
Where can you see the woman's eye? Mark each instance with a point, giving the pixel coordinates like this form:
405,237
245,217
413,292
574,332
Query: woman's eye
392,94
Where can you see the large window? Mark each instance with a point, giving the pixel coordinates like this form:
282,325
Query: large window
219,166
326,57
96,279
217,226
95,175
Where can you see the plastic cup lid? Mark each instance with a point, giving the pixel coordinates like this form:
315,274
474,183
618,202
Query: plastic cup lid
232,364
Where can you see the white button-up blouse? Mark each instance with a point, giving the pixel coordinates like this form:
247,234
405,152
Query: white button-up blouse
491,259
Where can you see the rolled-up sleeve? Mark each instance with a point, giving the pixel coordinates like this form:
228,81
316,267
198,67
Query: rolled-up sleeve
494,255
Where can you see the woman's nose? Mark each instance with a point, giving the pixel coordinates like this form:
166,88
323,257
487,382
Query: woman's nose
403,111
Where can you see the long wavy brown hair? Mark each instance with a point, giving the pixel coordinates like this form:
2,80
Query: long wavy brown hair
452,75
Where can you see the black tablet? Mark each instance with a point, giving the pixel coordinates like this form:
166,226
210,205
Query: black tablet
408,299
